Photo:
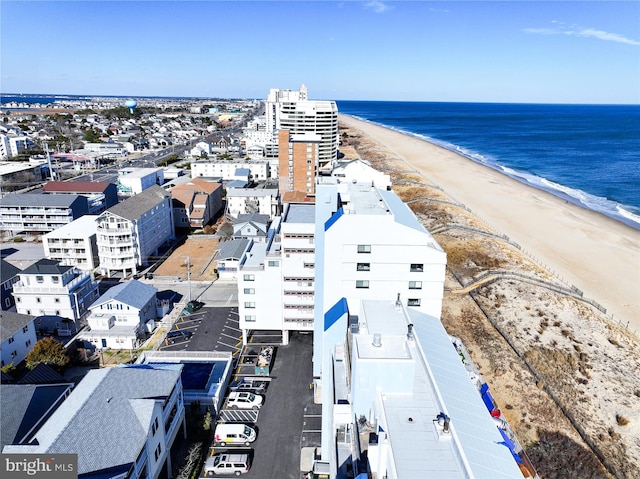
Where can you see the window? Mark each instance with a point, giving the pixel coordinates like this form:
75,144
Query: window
18,300
154,427
362,284
415,284
417,267
363,266
273,264
249,277
38,300
56,300
55,279
364,248
27,343
249,291
11,340
250,318
40,279
25,329
250,305
413,302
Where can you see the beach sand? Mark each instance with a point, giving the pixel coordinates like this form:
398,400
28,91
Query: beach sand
563,373
596,254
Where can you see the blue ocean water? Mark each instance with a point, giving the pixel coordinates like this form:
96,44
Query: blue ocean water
586,154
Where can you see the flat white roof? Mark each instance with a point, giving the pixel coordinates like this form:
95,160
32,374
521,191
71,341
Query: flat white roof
441,384
83,227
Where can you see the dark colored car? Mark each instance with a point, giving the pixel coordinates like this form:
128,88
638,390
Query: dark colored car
258,387
173,336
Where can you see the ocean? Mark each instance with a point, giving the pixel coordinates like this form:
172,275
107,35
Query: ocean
585,154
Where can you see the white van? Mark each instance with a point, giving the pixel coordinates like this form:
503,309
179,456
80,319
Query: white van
226,464
233,434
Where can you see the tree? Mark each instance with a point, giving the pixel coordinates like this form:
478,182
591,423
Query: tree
92,136
48,351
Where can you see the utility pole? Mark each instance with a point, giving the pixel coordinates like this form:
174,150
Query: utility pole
189,276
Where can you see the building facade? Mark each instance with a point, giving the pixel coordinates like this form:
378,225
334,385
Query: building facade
298,159
18,337
132,231
246,201
226,170
74,244
100,195
108,403
293,111
47,288
38,213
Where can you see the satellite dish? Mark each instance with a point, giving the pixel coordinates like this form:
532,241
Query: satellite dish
131,104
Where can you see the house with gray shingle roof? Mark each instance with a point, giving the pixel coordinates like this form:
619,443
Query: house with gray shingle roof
230,253
252,226
132,231
119,318
121,422
17,337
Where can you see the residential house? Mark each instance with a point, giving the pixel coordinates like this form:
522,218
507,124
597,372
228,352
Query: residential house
47,288
196,202
9,275
119,318
17,337
39,213
97,420
74,244
25,407
230,254
132,231
252,226
100,195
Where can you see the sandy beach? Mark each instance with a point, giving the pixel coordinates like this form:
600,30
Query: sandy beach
596,254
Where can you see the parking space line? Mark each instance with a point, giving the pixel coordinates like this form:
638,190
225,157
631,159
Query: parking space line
231,327
228,345
229,336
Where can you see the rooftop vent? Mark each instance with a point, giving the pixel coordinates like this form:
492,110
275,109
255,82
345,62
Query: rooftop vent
398,303
377,340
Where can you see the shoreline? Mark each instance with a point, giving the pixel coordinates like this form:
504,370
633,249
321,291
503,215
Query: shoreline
584,248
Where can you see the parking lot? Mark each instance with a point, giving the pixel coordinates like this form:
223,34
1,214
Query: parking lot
288,419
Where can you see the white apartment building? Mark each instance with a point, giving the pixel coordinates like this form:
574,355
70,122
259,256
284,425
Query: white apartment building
132,181
131,231
12,145
259,169
74,244
242,201
121,422
370,245
18,336
293,111
276,279
112,150
47,288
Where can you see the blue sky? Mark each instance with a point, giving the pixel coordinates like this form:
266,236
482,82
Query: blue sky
499,51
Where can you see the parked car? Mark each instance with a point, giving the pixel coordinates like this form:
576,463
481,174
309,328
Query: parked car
247,385
225,463
192,306
244,400
233,435
173,336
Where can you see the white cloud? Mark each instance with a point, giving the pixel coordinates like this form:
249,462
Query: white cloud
376,6
574,30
